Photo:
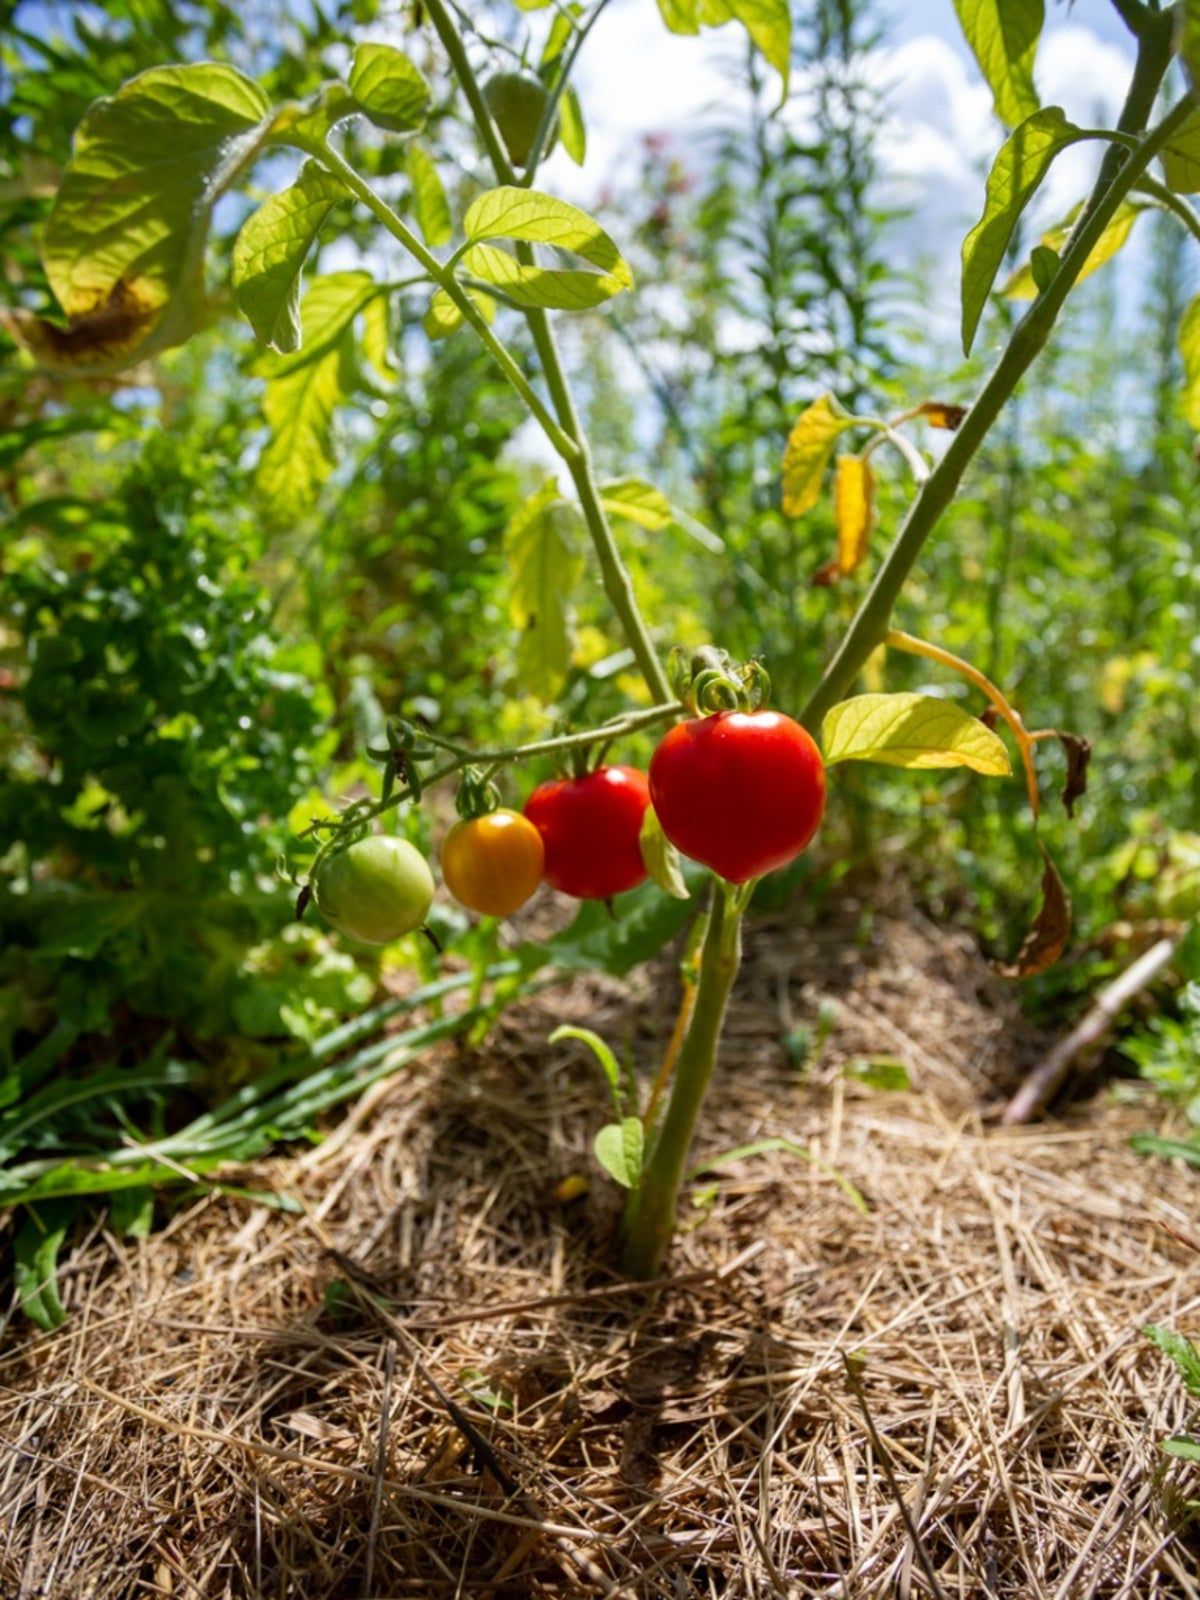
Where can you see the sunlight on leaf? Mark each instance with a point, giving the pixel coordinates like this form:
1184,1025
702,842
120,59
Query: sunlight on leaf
912,730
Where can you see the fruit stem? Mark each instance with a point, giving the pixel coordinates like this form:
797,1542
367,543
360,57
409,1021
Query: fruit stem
649,1219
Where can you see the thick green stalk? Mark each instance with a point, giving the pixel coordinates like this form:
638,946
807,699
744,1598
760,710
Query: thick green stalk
649,1219
1118,175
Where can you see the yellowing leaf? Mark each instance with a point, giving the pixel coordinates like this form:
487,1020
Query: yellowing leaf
377,338
809,447
1003,36
573,128
1022,163
637,502
1021,285
299,409
270,250
124,243
853,511
911,730
542,548
1189,345
328,309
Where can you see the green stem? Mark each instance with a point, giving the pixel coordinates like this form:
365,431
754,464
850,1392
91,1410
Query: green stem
1169,201
1118,174
618,585
445,280
649,1219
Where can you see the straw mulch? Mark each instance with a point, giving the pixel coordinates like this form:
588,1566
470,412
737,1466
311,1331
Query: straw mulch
425,1384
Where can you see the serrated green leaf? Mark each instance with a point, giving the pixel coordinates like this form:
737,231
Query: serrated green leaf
806,455
429,203
442,317
330,306
1003,36
1021,285
602,1052
513,213
572,127
663,861
393,93
1181,1351
645,921
619,1148
1023,162
270,251
39,1238
124,243
299,408
911,730
1189,346
543,550
638,502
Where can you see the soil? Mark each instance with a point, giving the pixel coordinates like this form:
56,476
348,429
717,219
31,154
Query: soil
902,1356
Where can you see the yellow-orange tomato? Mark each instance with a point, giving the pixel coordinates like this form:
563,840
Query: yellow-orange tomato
493,863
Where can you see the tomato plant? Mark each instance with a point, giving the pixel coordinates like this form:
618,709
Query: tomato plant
736,785
493,863
591,828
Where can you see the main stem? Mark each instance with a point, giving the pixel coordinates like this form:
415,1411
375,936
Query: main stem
649,1219
1118,174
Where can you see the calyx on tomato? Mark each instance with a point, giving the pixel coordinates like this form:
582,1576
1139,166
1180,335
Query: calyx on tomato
591,827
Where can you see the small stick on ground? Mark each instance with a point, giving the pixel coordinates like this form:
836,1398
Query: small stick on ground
1053,1068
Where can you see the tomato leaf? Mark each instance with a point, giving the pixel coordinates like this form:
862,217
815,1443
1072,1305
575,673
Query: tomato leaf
542,547
535,218
1181,158
572,127
1022,285
806,455
638,502
885,1073
911,730
768,22
619,1149
392,92
853,511
1189,347
124,244
429,203
1022,163
270,251
1047,938
442,317
1003,36
663,861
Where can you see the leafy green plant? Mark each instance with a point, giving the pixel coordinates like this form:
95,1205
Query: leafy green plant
512,254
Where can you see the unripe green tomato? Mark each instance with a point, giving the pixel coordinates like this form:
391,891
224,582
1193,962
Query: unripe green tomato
517,103
375,890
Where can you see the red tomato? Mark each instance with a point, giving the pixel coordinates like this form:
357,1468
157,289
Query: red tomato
590,828
741,791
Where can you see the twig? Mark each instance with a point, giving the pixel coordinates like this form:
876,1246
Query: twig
1053,1068
385,1408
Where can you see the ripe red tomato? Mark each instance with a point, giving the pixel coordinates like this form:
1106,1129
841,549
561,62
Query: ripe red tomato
590,828
493,863
741,791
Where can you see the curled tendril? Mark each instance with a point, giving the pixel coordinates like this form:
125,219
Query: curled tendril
714,690
709,680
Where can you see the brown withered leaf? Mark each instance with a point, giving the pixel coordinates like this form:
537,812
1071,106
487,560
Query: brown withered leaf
1078,752
1047,938
989,716
94,343
825,577
940,415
